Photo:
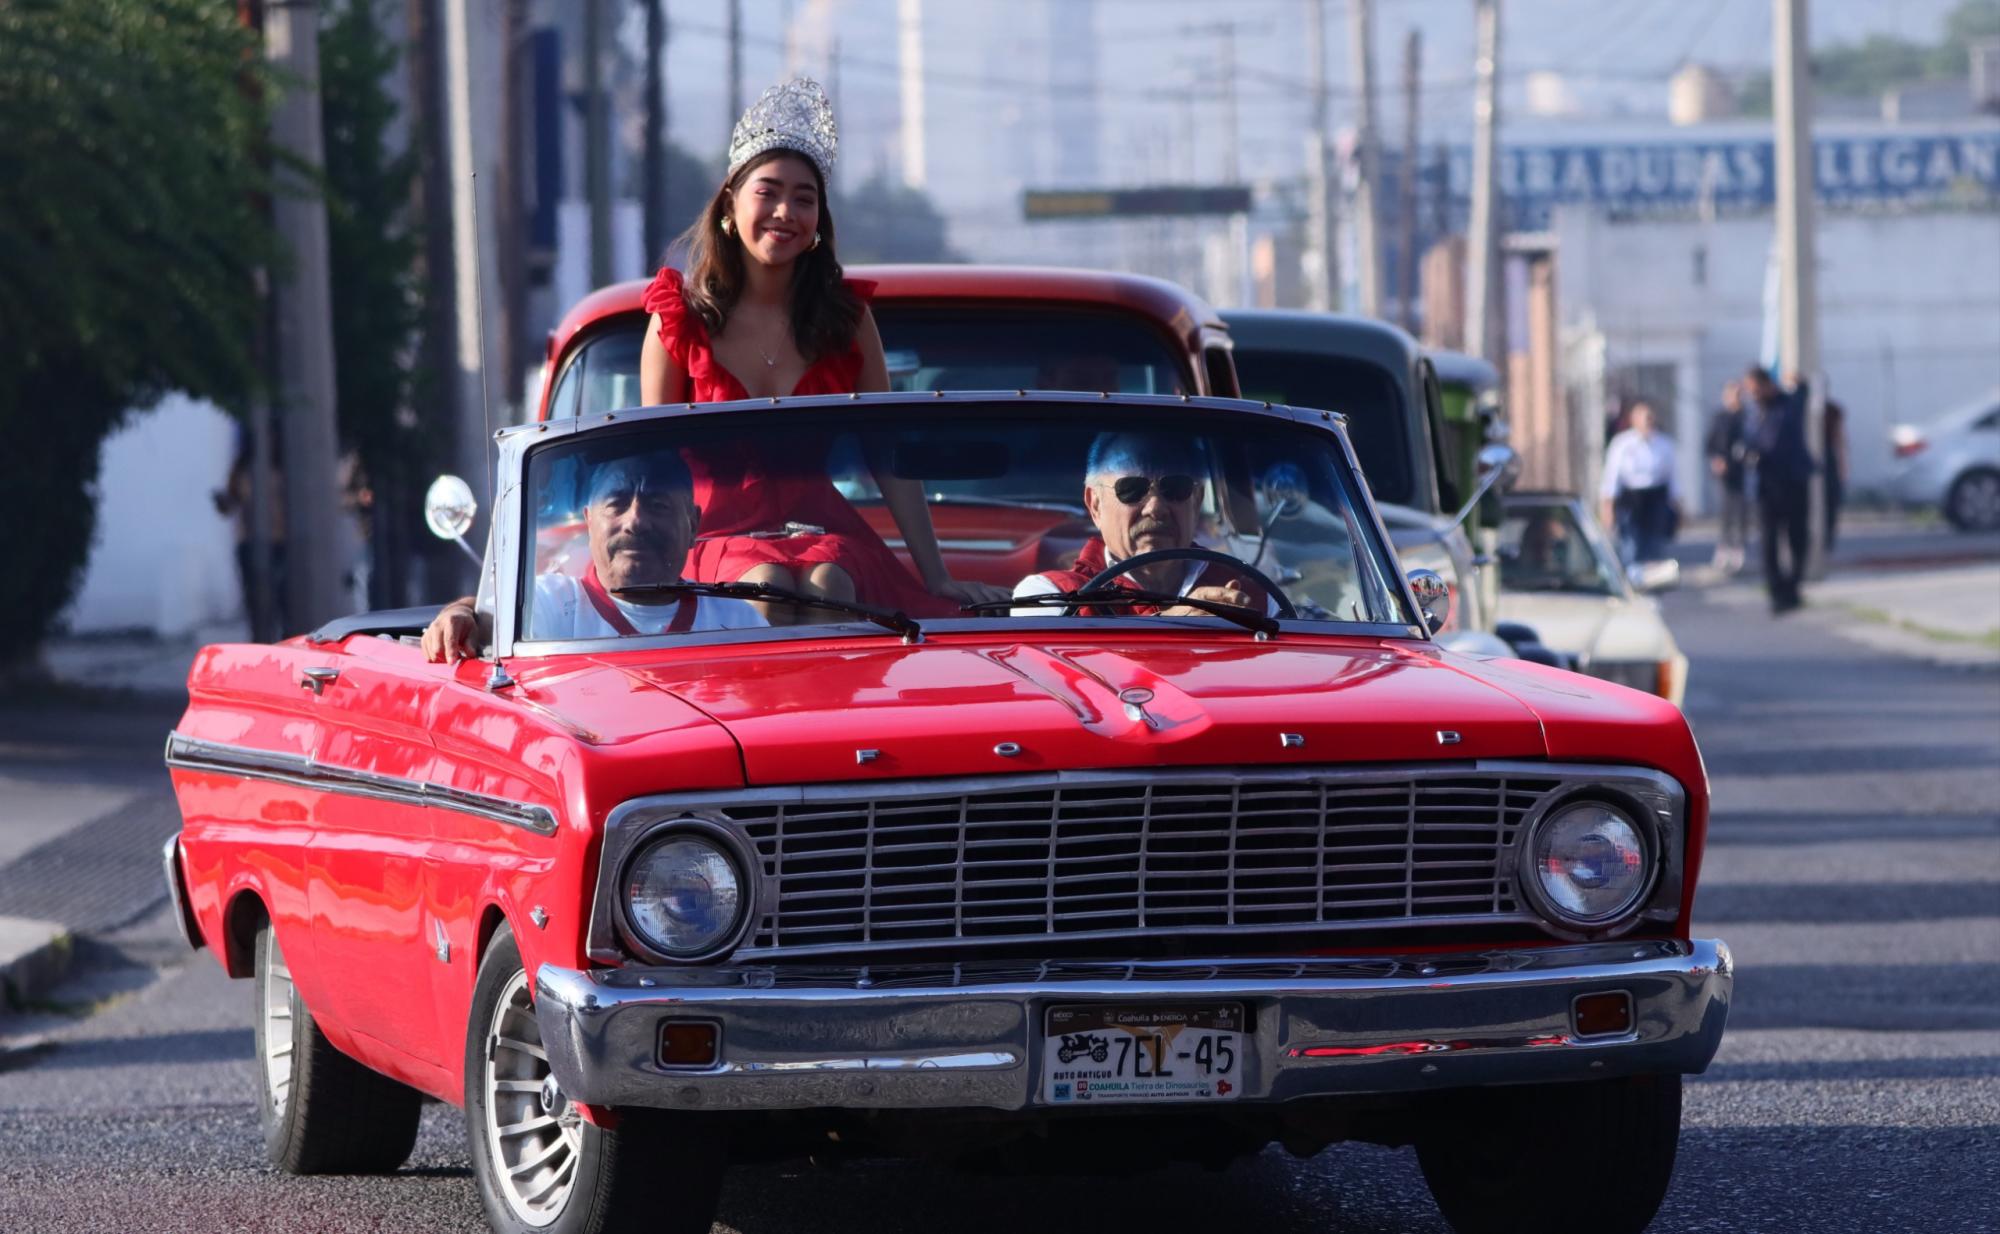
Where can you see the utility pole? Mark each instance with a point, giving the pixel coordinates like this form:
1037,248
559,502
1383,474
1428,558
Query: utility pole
1239,224
1224,34
656,133
735,59
429,136
910,54
1798,293
596,143
833,74
1323,272
1406,205
303,321
509,217
1485,326
1367,244
468,250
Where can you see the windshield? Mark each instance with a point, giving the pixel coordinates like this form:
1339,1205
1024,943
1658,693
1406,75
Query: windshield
966,348
1039,349
1003,504
1544,547
1377,421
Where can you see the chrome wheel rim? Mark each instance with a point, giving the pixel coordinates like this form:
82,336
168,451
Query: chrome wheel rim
1979,501
277,1013
534,1135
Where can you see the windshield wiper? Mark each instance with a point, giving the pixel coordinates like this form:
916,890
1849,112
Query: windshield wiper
1249,619
891,619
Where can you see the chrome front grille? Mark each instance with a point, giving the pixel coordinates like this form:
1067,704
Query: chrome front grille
1102,856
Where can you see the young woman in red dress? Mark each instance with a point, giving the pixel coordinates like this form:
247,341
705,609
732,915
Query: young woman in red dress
762,312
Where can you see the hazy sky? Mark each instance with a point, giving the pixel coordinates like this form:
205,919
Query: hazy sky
986,57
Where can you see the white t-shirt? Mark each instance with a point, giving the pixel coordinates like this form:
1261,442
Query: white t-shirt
1634,460
561,611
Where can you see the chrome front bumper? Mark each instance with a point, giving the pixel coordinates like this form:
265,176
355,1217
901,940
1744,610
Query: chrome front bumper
970,1035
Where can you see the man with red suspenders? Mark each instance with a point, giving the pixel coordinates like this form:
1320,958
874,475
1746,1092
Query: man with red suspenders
640,517
1143,493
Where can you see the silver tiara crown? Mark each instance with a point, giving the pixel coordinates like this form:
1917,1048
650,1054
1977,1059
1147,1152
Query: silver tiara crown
795,116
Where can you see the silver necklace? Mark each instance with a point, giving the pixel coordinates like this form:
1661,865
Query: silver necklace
770,361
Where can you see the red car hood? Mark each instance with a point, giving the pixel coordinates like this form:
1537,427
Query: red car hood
811,714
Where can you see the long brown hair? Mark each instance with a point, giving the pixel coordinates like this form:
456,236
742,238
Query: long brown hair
825,314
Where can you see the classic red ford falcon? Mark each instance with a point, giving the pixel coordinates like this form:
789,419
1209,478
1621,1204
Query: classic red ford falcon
1196,843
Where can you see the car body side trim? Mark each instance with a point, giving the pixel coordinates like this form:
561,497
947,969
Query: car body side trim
303,771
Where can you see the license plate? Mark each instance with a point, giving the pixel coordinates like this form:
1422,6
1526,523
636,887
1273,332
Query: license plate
1096,1055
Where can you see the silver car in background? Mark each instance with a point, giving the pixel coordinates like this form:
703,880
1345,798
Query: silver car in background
1953,465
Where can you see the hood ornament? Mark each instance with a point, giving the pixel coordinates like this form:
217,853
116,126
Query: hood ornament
1135,699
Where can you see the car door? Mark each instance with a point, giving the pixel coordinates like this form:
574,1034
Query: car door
367,874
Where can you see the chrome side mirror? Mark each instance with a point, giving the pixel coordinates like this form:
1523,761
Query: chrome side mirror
1498,456
1499,466
448,509
1433,598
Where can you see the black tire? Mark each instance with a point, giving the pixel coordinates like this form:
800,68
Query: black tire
655,1171
322,1112
1594,1156
1973,503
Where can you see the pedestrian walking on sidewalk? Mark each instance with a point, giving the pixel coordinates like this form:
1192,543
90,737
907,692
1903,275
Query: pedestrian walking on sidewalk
1833,448
1728,453
1641,498
1782,474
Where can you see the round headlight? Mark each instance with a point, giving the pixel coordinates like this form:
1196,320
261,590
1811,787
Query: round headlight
684,895
1590,863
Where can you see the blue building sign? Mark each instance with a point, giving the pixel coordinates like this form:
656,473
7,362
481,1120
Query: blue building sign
1731,175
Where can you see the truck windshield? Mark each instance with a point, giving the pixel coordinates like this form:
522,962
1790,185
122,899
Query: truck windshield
1377,421
1028,499
960,348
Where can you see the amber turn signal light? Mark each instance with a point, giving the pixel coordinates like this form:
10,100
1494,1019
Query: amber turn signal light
687,1043
1602,1015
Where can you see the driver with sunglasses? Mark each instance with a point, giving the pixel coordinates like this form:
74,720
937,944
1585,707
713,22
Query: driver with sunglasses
1142,493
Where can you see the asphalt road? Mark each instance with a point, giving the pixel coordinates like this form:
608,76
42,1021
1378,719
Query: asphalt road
1854,866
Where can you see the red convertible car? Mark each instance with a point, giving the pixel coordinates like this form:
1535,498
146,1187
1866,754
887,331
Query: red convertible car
682,874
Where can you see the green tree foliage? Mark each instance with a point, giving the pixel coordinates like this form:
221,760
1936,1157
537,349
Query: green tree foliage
1883,62
374,250
131,226
880,220
690,183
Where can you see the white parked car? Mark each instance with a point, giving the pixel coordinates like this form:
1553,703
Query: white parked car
1954,465
1560,573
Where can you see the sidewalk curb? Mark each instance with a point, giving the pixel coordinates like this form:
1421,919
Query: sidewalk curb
34,957
1842,619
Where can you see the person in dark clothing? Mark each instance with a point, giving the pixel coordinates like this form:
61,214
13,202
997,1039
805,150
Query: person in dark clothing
1783,470
1833,448
1728,450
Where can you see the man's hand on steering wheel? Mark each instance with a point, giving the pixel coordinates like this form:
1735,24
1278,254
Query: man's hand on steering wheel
1227,594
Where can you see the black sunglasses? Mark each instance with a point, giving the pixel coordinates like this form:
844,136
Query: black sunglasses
1132,490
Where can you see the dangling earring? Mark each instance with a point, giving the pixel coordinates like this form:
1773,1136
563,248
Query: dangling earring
816,239
728,226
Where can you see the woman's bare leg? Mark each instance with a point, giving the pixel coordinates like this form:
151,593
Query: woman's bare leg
829,580
776,576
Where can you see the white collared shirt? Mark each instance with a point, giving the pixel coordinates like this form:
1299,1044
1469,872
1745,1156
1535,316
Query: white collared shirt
1635,460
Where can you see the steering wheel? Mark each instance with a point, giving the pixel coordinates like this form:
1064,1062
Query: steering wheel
1141,560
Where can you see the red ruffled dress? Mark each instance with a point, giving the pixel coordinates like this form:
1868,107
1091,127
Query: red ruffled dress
740,495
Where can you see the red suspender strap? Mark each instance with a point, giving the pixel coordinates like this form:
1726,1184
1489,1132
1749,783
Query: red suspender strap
614,616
